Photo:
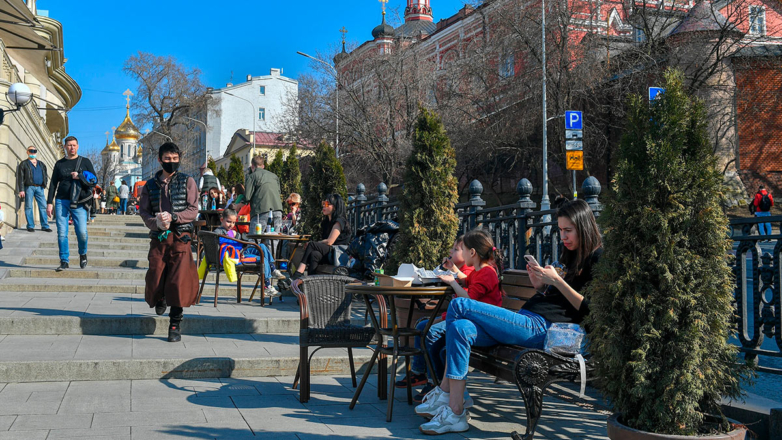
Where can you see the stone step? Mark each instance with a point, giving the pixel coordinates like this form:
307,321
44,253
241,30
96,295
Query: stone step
92,261
94,274
113,234
112,244
115,357
149,324
226,292
135,254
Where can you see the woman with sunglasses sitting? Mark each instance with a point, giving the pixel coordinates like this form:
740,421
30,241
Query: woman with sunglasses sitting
294,210
335,231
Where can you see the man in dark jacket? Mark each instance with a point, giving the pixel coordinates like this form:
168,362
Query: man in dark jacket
31,180
168,205
69,195
262,191
763,203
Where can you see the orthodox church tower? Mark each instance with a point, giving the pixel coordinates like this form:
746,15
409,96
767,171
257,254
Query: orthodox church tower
418,10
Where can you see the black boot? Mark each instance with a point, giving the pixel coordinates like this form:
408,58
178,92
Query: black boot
174,332
160,307
63,266
83,261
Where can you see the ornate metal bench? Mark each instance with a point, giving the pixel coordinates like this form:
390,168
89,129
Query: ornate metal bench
532,370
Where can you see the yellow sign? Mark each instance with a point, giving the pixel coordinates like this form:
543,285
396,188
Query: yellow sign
575,160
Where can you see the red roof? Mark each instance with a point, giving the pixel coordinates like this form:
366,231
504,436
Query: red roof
267,139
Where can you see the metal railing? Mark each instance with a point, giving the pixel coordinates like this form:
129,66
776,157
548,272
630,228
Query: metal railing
518,229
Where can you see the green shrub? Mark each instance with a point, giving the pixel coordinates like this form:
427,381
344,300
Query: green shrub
428,221
275,166
326,177
661,298
291,174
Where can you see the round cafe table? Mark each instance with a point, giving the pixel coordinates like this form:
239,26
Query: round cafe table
212,218
395,332
279,237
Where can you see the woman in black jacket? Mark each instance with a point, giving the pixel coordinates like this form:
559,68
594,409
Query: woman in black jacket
334,231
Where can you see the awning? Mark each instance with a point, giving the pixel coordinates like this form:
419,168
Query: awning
24,45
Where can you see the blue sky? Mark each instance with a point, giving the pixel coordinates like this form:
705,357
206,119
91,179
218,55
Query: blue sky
246,37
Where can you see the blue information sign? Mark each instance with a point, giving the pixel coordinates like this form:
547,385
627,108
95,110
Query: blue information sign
574,120
655,92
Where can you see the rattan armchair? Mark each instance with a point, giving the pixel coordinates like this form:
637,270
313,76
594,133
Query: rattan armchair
325,323
211,246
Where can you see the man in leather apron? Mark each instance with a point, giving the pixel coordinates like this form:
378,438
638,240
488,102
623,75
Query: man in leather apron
169,205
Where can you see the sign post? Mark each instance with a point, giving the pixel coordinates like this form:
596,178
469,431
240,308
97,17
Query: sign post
574,144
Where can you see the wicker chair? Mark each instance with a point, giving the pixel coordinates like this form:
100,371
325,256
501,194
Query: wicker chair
325,323
211,246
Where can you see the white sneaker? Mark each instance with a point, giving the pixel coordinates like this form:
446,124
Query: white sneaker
271,292
432,402
278,275
446,421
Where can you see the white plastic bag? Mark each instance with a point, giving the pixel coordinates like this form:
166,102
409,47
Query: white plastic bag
564,339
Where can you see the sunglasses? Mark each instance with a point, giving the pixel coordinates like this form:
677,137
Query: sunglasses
292,203
325,204
32,151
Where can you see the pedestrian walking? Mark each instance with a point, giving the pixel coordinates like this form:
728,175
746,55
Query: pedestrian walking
112,198
124,193
262,191
168,206
763,203
31,181
70,192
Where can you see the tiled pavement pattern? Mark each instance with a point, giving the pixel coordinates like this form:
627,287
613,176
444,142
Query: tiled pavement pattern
253,408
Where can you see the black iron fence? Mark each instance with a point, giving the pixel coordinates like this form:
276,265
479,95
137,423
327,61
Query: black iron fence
519,229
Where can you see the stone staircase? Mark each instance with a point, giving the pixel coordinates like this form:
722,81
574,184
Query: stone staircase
93,323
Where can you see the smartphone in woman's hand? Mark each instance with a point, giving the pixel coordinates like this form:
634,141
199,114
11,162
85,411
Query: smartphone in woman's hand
531,261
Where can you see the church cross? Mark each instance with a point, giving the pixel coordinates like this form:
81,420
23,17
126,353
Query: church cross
344,32
383,2
128,94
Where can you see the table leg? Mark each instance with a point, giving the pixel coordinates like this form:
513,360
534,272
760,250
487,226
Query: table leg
394,359
378,347
364,379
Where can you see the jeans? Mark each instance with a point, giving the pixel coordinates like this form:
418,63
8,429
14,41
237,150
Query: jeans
472,322
434,340
80,215
30,193
123,205
764,228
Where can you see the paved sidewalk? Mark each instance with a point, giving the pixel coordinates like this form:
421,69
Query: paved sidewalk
256,408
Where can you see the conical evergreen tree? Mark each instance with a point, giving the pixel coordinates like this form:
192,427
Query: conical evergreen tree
235,171
661,298
326,177
291,174
276,165
428,221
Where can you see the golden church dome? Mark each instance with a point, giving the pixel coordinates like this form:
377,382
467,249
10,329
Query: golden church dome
113,147
127,130
138,151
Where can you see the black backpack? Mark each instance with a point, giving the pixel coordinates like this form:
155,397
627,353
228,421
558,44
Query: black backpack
765,203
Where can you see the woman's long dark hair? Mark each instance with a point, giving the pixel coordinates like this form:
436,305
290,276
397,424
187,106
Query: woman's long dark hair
480,240
589,239
336,201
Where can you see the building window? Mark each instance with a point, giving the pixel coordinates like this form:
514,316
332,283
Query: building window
263,90
757,20
507,66
261,114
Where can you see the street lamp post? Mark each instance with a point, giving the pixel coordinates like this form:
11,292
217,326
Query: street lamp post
252,137
336,78
545,203
205,129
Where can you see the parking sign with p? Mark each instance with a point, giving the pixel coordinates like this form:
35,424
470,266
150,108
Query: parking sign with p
574,120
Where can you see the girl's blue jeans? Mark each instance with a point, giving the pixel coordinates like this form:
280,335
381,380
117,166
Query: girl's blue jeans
472,322
435,346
